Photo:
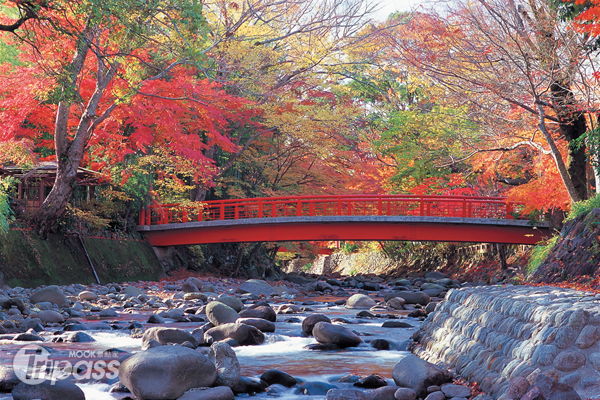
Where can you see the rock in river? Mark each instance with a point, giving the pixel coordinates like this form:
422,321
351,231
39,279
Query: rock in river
168,335
309,322
417,374
341,336
55,390
220,313
410,297
226,363
361,301
256,286
260,311
52,294
166,372
245,335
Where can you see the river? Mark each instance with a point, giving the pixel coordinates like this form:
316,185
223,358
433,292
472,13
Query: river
284,349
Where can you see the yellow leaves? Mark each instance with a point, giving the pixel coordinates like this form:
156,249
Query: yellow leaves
17,152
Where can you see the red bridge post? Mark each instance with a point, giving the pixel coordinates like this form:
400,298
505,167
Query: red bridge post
509,210
142,217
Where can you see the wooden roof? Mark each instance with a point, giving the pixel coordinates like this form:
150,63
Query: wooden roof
47,170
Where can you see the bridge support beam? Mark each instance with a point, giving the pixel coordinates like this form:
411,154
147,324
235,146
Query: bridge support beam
365,230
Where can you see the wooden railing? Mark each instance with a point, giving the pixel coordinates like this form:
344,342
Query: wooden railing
325,206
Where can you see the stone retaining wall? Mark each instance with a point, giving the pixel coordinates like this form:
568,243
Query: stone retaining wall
491,334
28,261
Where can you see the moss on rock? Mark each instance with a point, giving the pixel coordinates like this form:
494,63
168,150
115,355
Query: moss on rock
28,261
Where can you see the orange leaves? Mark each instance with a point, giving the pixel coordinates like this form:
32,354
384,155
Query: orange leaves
544,192
589,19
453,184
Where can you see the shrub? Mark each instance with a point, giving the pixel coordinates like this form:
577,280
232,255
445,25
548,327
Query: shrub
539,254
583,207
6,213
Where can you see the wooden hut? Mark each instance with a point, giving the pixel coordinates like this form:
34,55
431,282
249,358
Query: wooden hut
36,183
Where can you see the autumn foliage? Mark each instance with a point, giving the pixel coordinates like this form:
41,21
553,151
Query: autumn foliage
242,99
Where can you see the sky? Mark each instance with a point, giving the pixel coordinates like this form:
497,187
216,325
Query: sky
389,6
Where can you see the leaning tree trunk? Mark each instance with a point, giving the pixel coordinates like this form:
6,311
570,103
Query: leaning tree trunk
68,155
69,151
573,126
54,206
560,165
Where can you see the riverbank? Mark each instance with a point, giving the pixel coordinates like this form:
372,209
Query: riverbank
28,261
479,263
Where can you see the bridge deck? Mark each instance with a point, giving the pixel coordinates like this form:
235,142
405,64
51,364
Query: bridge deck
348,217
397,228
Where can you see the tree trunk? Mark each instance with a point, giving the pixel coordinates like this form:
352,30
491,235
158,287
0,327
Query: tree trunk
560,165
500,248
46,218
573,126
198,193
240,257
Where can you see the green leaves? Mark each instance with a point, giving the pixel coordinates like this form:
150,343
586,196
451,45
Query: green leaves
425,141
6,213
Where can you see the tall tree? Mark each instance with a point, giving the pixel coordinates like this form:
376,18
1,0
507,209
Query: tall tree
83,60
265,49
494,55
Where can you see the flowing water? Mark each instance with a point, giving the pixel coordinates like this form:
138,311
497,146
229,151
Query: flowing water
283,350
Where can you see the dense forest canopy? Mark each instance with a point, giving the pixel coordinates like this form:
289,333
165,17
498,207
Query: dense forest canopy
190,101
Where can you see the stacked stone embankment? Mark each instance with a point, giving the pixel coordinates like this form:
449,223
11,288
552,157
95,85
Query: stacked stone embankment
492,335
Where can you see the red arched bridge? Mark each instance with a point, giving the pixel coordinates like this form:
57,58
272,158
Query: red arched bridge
351,217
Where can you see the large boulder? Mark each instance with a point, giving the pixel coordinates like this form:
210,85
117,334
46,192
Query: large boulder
195,281
51,294
341,336
86,295
132,291
215,393
408,394
195,296
256,286
245,335
55,390
168,335
315,388
260,323
250,385
50,317
226,362
277,377
383,393
166,372
219,313
417,374
345,394
8,302
410,297
77,337
232,302
309,322
260,311
8,379
397,303
189,287
360,301
435,275
108,312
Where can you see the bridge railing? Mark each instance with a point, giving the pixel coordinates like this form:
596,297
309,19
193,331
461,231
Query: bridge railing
324,206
